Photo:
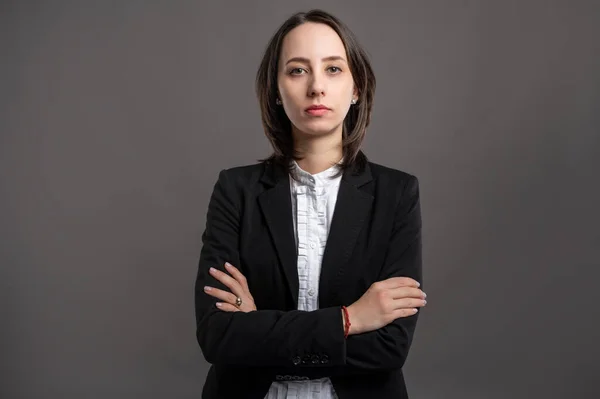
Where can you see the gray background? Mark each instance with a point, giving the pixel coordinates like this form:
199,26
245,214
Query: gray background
117,116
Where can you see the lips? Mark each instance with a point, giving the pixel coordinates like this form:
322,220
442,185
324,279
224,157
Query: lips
316,108
317,111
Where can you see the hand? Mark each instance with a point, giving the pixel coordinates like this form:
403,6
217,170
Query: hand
384,302
238,285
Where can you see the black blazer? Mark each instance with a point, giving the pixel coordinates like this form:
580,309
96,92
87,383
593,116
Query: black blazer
375,234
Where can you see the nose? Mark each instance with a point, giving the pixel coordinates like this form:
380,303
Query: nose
316,87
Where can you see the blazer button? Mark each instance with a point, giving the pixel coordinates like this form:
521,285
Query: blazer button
296,360
315,359
306,359
324,359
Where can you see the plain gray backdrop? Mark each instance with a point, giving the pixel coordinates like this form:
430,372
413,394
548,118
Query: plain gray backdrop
116,117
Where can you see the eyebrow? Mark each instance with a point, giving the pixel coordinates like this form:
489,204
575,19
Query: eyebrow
307,61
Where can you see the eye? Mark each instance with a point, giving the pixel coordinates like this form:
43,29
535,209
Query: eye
296,71
334,69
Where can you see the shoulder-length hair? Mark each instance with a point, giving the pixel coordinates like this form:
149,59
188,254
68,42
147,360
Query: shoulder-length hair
277,125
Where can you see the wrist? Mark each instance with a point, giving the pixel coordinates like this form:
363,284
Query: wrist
353,320
345,321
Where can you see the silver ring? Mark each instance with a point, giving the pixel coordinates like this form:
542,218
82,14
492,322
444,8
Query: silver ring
238,301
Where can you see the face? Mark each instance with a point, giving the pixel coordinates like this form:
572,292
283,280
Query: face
314,72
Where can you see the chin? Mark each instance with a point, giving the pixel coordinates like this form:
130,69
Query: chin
316,131
317,128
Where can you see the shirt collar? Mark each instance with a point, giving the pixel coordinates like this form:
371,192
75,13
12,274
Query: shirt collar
321,179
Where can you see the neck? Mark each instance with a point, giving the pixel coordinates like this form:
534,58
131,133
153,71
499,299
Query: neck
318,153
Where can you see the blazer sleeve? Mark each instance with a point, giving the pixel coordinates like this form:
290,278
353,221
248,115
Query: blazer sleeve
267,338
387,348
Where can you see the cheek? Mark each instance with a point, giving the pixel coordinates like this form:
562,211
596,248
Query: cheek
293,91
293,102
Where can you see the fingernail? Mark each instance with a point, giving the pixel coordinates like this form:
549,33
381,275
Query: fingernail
207,288
228,265
424,302
418,284
212,270
415,310
219,304
424,295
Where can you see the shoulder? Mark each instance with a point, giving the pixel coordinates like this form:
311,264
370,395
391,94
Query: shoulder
244,171
400,188
402,181
237,177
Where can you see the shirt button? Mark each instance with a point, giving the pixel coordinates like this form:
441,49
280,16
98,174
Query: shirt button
311,292
312,245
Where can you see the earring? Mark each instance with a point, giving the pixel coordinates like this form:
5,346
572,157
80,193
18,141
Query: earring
353,101
278,102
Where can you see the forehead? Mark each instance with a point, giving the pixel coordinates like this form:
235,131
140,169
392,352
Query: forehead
313,41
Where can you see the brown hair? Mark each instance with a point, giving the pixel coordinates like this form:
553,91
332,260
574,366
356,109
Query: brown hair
277,125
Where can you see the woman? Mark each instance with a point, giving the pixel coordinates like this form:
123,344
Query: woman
294,300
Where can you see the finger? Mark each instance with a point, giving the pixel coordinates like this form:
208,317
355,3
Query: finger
220,294
398,313
395,282
407,292
409,303
226,307
236,274
226,279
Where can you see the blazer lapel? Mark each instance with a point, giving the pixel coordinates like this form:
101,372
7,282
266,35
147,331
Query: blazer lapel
352,209
276,205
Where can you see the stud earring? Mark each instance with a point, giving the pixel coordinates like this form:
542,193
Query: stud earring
278,102
353,101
